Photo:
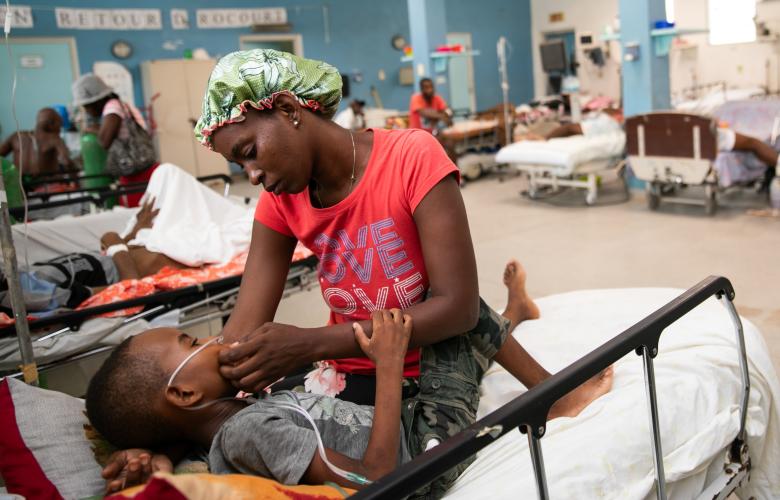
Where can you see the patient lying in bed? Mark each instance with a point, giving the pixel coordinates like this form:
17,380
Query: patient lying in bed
164,387
70,279
611,120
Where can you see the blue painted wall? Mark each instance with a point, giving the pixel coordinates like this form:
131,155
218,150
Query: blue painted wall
487,20
646,81
360,33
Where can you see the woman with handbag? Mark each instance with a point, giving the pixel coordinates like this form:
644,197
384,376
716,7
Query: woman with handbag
122,133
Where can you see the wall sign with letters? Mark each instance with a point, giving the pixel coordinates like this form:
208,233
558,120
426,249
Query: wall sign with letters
240,18
21,16
180,19
108,19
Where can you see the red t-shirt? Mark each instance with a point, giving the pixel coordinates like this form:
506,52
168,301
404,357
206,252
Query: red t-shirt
368,246
417,103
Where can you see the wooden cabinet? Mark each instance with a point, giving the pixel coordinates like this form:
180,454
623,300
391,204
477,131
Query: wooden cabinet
175,89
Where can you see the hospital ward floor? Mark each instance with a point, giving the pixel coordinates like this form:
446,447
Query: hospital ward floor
617,246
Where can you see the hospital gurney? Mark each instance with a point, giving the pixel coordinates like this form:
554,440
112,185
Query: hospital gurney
669,150
566,162
732,400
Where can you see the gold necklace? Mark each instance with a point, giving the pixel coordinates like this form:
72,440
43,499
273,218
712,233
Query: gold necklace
351,178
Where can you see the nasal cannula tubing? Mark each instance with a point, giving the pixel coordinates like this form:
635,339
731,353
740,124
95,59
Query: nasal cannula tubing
349,476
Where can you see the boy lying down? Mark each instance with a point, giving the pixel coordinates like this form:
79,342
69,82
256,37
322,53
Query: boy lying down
164,387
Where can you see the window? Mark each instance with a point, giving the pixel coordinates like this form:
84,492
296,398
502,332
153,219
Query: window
731,21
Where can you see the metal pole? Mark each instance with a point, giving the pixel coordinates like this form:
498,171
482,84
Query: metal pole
501,49
652,403
29,369
743,405
538,461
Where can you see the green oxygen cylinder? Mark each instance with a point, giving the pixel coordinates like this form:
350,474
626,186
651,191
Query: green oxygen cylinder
93,157
13,191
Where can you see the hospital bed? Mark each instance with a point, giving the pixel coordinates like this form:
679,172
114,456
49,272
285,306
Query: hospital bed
695,417
475,138
216,231
757,117
705,99
574,162
672,151
474,142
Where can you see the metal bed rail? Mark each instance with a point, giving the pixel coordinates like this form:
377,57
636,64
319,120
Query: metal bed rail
299,278
161,301
529,411
100,195
42,180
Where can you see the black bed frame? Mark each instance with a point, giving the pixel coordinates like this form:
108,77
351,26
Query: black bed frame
528,412
97,195
170,300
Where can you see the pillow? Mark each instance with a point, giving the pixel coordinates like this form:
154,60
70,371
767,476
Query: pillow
164,486
44,452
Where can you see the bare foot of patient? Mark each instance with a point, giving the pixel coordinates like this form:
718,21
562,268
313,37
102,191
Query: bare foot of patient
519,305
573,403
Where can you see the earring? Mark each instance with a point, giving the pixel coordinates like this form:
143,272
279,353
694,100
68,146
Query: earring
295,123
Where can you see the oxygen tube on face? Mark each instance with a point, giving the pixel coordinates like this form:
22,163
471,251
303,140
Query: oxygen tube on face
349,476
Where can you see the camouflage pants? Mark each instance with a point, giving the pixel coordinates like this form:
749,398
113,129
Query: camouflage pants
450,374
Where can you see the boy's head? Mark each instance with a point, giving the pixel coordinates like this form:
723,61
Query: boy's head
48,120
129,400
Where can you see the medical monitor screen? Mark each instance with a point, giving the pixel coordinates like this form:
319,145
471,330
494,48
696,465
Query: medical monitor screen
553,56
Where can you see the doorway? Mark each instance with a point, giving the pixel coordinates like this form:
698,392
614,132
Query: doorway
461,76
38,63
292,43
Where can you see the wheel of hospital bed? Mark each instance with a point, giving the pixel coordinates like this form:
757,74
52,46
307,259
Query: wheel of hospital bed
653,196
710,199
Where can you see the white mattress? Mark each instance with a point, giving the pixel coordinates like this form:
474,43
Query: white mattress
605,452
562,156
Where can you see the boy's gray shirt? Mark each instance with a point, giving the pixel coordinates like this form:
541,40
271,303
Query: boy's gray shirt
268,440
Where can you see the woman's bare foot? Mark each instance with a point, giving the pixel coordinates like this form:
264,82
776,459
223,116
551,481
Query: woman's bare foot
519,306
573,403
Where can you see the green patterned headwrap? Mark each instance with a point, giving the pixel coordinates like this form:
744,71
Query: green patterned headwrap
255,77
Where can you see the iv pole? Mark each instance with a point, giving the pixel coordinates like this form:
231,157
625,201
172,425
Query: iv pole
29,369
501,49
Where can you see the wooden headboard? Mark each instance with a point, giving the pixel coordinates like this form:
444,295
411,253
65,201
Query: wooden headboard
671,135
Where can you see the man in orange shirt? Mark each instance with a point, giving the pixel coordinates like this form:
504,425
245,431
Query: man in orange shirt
427,109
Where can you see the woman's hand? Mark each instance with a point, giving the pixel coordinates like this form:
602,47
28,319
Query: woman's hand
390,339
265,355
132,467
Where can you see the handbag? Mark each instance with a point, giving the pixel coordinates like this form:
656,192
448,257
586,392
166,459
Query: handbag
132,154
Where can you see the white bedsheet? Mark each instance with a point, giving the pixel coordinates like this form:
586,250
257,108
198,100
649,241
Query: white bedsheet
707,104
47,239
564,155
605,452
93,333
195,225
